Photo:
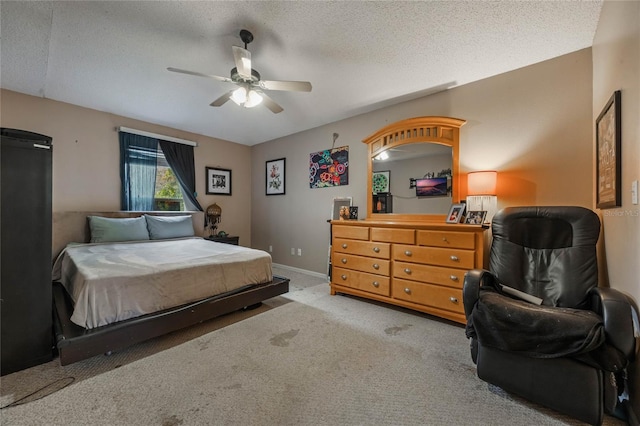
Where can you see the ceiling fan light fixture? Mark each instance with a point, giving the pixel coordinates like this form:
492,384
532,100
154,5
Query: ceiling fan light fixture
239,96
254,99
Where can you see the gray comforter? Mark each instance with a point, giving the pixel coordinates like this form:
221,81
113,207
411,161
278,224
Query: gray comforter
111,282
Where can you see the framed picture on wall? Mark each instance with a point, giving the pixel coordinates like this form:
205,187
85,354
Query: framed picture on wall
218,181
608,161
275,175
380,182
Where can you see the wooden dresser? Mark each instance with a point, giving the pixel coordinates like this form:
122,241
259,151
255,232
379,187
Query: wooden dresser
417,265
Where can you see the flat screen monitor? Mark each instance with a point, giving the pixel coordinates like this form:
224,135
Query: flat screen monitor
431,187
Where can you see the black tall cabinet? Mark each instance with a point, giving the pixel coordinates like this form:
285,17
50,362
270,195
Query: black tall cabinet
25,259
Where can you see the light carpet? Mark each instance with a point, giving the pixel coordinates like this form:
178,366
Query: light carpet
304,358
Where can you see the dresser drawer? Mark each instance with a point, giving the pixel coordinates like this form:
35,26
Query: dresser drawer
363,248
446,298
429,274
361,281
391,235
454,258
353,232
360,263
448,239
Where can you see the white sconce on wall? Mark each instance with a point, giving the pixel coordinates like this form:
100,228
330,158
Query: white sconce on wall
481,189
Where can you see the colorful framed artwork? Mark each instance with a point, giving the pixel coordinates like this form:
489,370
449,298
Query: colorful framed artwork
329,168
608,160
218,181
275,176
455,213
381,182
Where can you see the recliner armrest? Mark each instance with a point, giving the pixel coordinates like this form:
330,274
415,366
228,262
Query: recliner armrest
473,280
620,319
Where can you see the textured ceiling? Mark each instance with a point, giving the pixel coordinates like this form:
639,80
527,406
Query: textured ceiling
359,56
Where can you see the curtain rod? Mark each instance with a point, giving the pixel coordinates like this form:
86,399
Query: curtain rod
157,136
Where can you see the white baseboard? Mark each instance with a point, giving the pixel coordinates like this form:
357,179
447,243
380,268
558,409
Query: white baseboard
302,271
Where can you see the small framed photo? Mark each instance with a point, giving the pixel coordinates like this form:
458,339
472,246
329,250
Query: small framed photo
339,204
455,213
218,181
353,212
275,170
475,217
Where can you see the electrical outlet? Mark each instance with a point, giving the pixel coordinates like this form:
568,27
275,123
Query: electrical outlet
634,192
299,252
270,249
293,251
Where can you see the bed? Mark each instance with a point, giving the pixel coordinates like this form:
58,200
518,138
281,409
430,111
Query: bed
114,290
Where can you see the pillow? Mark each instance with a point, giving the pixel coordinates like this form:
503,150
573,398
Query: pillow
162,227
107,229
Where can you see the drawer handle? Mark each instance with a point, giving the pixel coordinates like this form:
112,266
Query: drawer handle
344,260
376,266
454,258
407,290
376,249
453,299
408,253
407,271
343,276
376,284
344,245
453,278
445,239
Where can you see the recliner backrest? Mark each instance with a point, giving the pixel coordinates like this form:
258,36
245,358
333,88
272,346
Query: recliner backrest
549,252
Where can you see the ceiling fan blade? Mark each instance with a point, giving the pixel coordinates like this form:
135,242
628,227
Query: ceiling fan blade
199,74
243,61
222,99
293,86
271,104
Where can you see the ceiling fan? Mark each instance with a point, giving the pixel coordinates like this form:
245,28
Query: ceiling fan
252,89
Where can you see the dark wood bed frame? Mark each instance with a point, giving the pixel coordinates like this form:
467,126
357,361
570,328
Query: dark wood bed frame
75,343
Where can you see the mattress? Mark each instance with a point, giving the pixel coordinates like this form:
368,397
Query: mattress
111,282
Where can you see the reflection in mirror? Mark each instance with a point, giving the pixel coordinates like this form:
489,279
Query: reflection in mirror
405,164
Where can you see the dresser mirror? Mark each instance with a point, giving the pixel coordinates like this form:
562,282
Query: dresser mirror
414,169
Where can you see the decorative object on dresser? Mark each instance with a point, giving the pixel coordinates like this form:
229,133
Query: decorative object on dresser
608,160
212,218
276,176
353,212
338,204
25,293
218,181
456,212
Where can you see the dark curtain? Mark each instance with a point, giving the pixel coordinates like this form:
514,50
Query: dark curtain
138,160
180,159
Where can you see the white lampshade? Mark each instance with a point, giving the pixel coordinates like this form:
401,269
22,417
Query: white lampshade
239,96
246,99
482,183
254,99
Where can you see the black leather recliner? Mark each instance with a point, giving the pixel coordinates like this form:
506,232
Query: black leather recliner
569,353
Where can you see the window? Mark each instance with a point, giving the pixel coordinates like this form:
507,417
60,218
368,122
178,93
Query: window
156,174
168,195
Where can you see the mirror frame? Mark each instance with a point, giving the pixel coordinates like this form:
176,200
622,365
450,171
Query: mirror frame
433,129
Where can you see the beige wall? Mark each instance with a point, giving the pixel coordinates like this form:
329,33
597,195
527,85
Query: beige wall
86,158
532,125
616,66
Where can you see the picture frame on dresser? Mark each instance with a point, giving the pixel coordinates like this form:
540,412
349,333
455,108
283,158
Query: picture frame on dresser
455,213
338,204
475,217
